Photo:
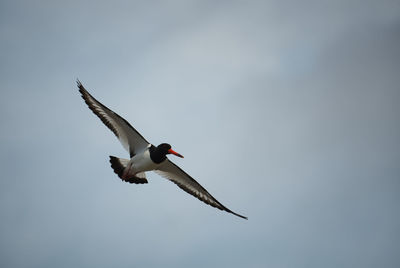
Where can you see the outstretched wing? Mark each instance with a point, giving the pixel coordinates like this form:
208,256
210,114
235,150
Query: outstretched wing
175,174
127,135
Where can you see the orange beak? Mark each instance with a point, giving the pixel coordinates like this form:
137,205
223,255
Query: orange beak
170,151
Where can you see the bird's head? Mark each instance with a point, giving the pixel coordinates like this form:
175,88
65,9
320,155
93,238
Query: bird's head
166,148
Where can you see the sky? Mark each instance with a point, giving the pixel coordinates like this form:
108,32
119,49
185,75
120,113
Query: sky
287,112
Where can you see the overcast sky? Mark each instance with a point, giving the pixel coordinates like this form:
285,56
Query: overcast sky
286,111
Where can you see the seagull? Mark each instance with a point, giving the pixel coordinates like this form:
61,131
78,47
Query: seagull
144,156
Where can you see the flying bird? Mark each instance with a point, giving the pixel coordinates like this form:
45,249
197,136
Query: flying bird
144,156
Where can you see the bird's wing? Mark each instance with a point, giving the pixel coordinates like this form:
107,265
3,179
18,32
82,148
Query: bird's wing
127,135
172,172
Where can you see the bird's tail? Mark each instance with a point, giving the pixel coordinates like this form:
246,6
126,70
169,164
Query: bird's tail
119,165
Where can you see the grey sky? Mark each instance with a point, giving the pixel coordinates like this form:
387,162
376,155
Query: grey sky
287,113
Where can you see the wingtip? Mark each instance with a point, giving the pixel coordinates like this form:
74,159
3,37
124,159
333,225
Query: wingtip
79,84
82,90
234,213
243,217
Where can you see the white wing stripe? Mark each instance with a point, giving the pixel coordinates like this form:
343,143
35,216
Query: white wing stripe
130,139
175,174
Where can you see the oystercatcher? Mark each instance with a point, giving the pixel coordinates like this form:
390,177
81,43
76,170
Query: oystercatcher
144,156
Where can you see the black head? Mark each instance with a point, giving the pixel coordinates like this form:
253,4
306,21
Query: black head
159,153
164,147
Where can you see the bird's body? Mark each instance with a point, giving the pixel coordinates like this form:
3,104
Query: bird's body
143,161
144,156
140,162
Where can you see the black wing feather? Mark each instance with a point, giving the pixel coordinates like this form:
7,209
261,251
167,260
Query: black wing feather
129,137
175,174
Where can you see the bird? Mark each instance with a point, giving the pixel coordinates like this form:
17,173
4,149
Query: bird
144,156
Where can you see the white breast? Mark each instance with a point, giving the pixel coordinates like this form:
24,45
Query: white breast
142,162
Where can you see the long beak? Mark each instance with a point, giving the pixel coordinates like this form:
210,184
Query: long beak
170,151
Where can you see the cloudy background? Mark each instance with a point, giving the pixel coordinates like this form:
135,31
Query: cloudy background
286,111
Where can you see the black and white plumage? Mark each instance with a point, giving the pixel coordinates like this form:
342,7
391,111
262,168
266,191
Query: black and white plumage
145,156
